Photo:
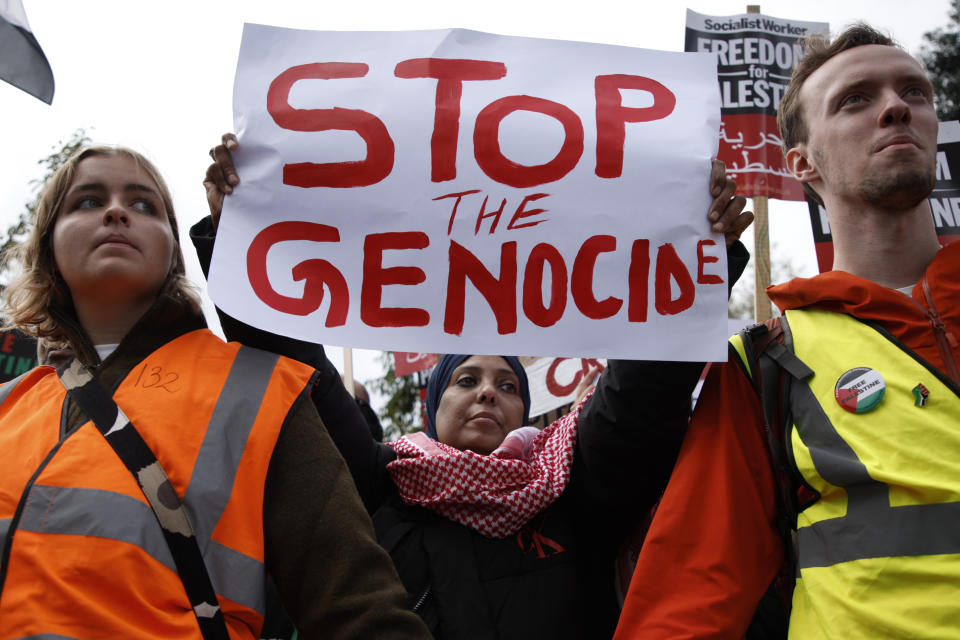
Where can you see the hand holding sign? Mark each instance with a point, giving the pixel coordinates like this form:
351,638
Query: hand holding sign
587,383
221,176
726,212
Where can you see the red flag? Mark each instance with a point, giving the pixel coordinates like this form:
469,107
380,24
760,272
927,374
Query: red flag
405,363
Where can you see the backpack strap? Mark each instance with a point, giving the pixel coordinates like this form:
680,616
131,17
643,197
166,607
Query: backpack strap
137,457
773,369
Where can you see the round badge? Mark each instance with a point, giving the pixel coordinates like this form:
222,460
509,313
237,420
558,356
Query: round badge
860,389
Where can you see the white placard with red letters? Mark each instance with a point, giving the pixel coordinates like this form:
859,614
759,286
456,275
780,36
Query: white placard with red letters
553,382
462,192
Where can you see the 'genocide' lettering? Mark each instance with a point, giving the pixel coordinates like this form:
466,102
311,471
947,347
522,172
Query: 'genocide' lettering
499,288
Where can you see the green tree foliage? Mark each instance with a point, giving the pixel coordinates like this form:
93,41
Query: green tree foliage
19,229
401,415
941,56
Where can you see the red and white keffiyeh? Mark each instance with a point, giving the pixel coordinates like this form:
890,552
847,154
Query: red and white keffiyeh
494,494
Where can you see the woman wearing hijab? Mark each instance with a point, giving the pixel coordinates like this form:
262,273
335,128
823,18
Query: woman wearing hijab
498,533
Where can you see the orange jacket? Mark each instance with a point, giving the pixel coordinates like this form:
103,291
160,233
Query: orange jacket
712,549
86,557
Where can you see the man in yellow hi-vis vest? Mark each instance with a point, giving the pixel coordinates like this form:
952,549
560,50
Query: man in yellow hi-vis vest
862,422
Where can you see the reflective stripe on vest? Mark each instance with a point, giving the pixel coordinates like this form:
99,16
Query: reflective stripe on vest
105,514
226,437
871,527
4,527
117,516
10,385
222,426
879,553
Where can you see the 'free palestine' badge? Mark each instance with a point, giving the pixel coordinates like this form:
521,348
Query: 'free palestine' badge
860,389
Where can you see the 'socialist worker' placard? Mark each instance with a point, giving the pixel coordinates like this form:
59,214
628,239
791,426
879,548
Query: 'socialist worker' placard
755,56
456,191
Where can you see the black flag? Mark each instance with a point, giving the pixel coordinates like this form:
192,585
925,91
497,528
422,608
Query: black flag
22,62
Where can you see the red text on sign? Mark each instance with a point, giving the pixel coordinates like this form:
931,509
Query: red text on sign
561,390
611,120
504,289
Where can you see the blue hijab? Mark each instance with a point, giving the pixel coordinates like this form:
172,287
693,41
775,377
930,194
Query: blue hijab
440,378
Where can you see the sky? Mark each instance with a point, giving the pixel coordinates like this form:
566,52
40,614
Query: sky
158,76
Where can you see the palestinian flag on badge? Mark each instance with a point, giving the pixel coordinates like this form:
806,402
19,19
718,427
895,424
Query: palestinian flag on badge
860,389
22,62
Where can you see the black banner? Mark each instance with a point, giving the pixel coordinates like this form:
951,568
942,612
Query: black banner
18,354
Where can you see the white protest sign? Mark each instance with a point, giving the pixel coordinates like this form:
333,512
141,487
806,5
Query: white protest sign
553,381
456,191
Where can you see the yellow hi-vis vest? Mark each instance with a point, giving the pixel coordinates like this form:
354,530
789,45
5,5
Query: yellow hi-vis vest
84,556
879,552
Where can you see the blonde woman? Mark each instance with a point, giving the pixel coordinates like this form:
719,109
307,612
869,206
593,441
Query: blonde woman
152,483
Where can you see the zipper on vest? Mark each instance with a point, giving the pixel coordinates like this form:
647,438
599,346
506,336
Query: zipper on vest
946,341
421,599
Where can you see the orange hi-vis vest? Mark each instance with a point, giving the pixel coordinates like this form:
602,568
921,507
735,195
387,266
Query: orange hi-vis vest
84,556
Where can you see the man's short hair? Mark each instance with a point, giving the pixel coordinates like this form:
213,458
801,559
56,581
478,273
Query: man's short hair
818,49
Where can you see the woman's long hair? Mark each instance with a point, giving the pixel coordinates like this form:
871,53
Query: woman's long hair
40,289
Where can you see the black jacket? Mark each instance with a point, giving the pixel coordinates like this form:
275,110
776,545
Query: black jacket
555,578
